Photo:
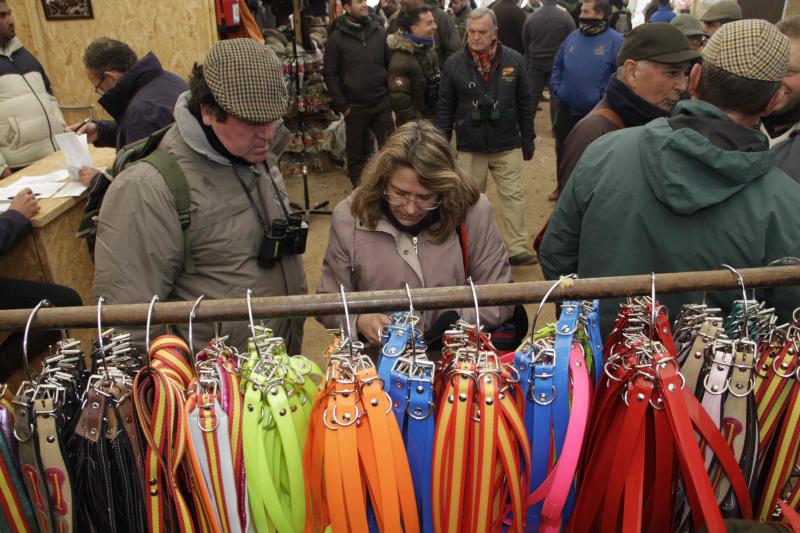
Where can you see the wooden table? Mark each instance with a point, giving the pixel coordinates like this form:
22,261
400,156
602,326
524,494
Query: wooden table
52,252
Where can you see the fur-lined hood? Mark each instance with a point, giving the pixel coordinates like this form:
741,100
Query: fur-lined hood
398,41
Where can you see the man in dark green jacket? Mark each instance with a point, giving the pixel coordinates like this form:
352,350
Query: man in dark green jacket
688,192
446,40
413,66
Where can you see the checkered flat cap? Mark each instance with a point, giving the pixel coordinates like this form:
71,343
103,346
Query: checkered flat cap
246,79
751,48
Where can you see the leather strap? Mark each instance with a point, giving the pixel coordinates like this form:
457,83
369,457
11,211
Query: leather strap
738,420
610,114
30,465
692,365
54,467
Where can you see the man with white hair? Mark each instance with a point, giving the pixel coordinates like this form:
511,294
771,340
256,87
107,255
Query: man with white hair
652,73
484,95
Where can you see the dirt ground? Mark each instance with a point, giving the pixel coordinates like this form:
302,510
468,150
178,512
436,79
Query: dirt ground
538,176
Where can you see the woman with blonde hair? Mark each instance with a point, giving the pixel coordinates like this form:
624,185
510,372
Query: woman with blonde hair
405,223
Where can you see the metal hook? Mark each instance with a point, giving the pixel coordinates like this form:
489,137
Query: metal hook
413,333
347,320
652,308
192,315
544,300
43,303
100,301
740,281
477,314
147,330
250,295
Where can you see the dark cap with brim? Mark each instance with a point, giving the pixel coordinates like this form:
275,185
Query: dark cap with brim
689,25
659,42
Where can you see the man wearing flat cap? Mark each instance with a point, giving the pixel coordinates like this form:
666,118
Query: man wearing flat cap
692,28
227,128
690,191
652,72
719,14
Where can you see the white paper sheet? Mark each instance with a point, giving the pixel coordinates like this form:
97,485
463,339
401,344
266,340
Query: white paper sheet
76,152
41,190
70,189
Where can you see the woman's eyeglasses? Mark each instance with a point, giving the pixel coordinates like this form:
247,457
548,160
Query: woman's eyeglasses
423,202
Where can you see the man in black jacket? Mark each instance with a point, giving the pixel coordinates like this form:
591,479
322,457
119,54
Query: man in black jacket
542,35
484,94
138,94
355,71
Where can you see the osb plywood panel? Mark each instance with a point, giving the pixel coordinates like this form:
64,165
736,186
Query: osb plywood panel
179,32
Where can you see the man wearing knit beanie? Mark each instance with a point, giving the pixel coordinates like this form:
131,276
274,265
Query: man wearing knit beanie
225,143
690,191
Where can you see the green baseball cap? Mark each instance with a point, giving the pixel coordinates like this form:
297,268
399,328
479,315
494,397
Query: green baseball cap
662,43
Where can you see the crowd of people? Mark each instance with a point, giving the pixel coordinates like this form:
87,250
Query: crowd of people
662,131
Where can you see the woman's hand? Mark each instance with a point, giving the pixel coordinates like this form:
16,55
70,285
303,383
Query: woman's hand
369,326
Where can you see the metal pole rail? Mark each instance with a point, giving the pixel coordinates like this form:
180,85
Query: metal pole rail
394,300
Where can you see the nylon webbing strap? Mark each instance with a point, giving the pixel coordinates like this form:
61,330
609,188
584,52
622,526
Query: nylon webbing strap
354,449
277,404
158,396
17,511
786,456
209,446
481,458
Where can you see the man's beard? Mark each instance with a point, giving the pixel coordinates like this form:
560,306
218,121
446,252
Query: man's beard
6,37
792,101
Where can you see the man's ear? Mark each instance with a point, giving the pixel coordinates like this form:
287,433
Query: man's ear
113,75
777,99
205,115
629,71
694,79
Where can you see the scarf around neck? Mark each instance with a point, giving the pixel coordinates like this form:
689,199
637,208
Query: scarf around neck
418,40
631,108
483,61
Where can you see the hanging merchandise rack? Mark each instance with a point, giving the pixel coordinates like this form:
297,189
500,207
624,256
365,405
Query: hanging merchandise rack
394,300
649,429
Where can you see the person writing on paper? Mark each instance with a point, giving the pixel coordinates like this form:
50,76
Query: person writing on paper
138,93
15,223
29,113
401,225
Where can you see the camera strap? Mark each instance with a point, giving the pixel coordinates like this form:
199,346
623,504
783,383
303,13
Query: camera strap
261,218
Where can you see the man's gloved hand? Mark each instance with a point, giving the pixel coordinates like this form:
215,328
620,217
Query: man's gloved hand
527,150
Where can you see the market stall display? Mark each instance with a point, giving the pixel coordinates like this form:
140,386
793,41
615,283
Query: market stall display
649,430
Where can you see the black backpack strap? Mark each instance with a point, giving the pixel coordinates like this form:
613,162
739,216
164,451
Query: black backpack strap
461,233
175,179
